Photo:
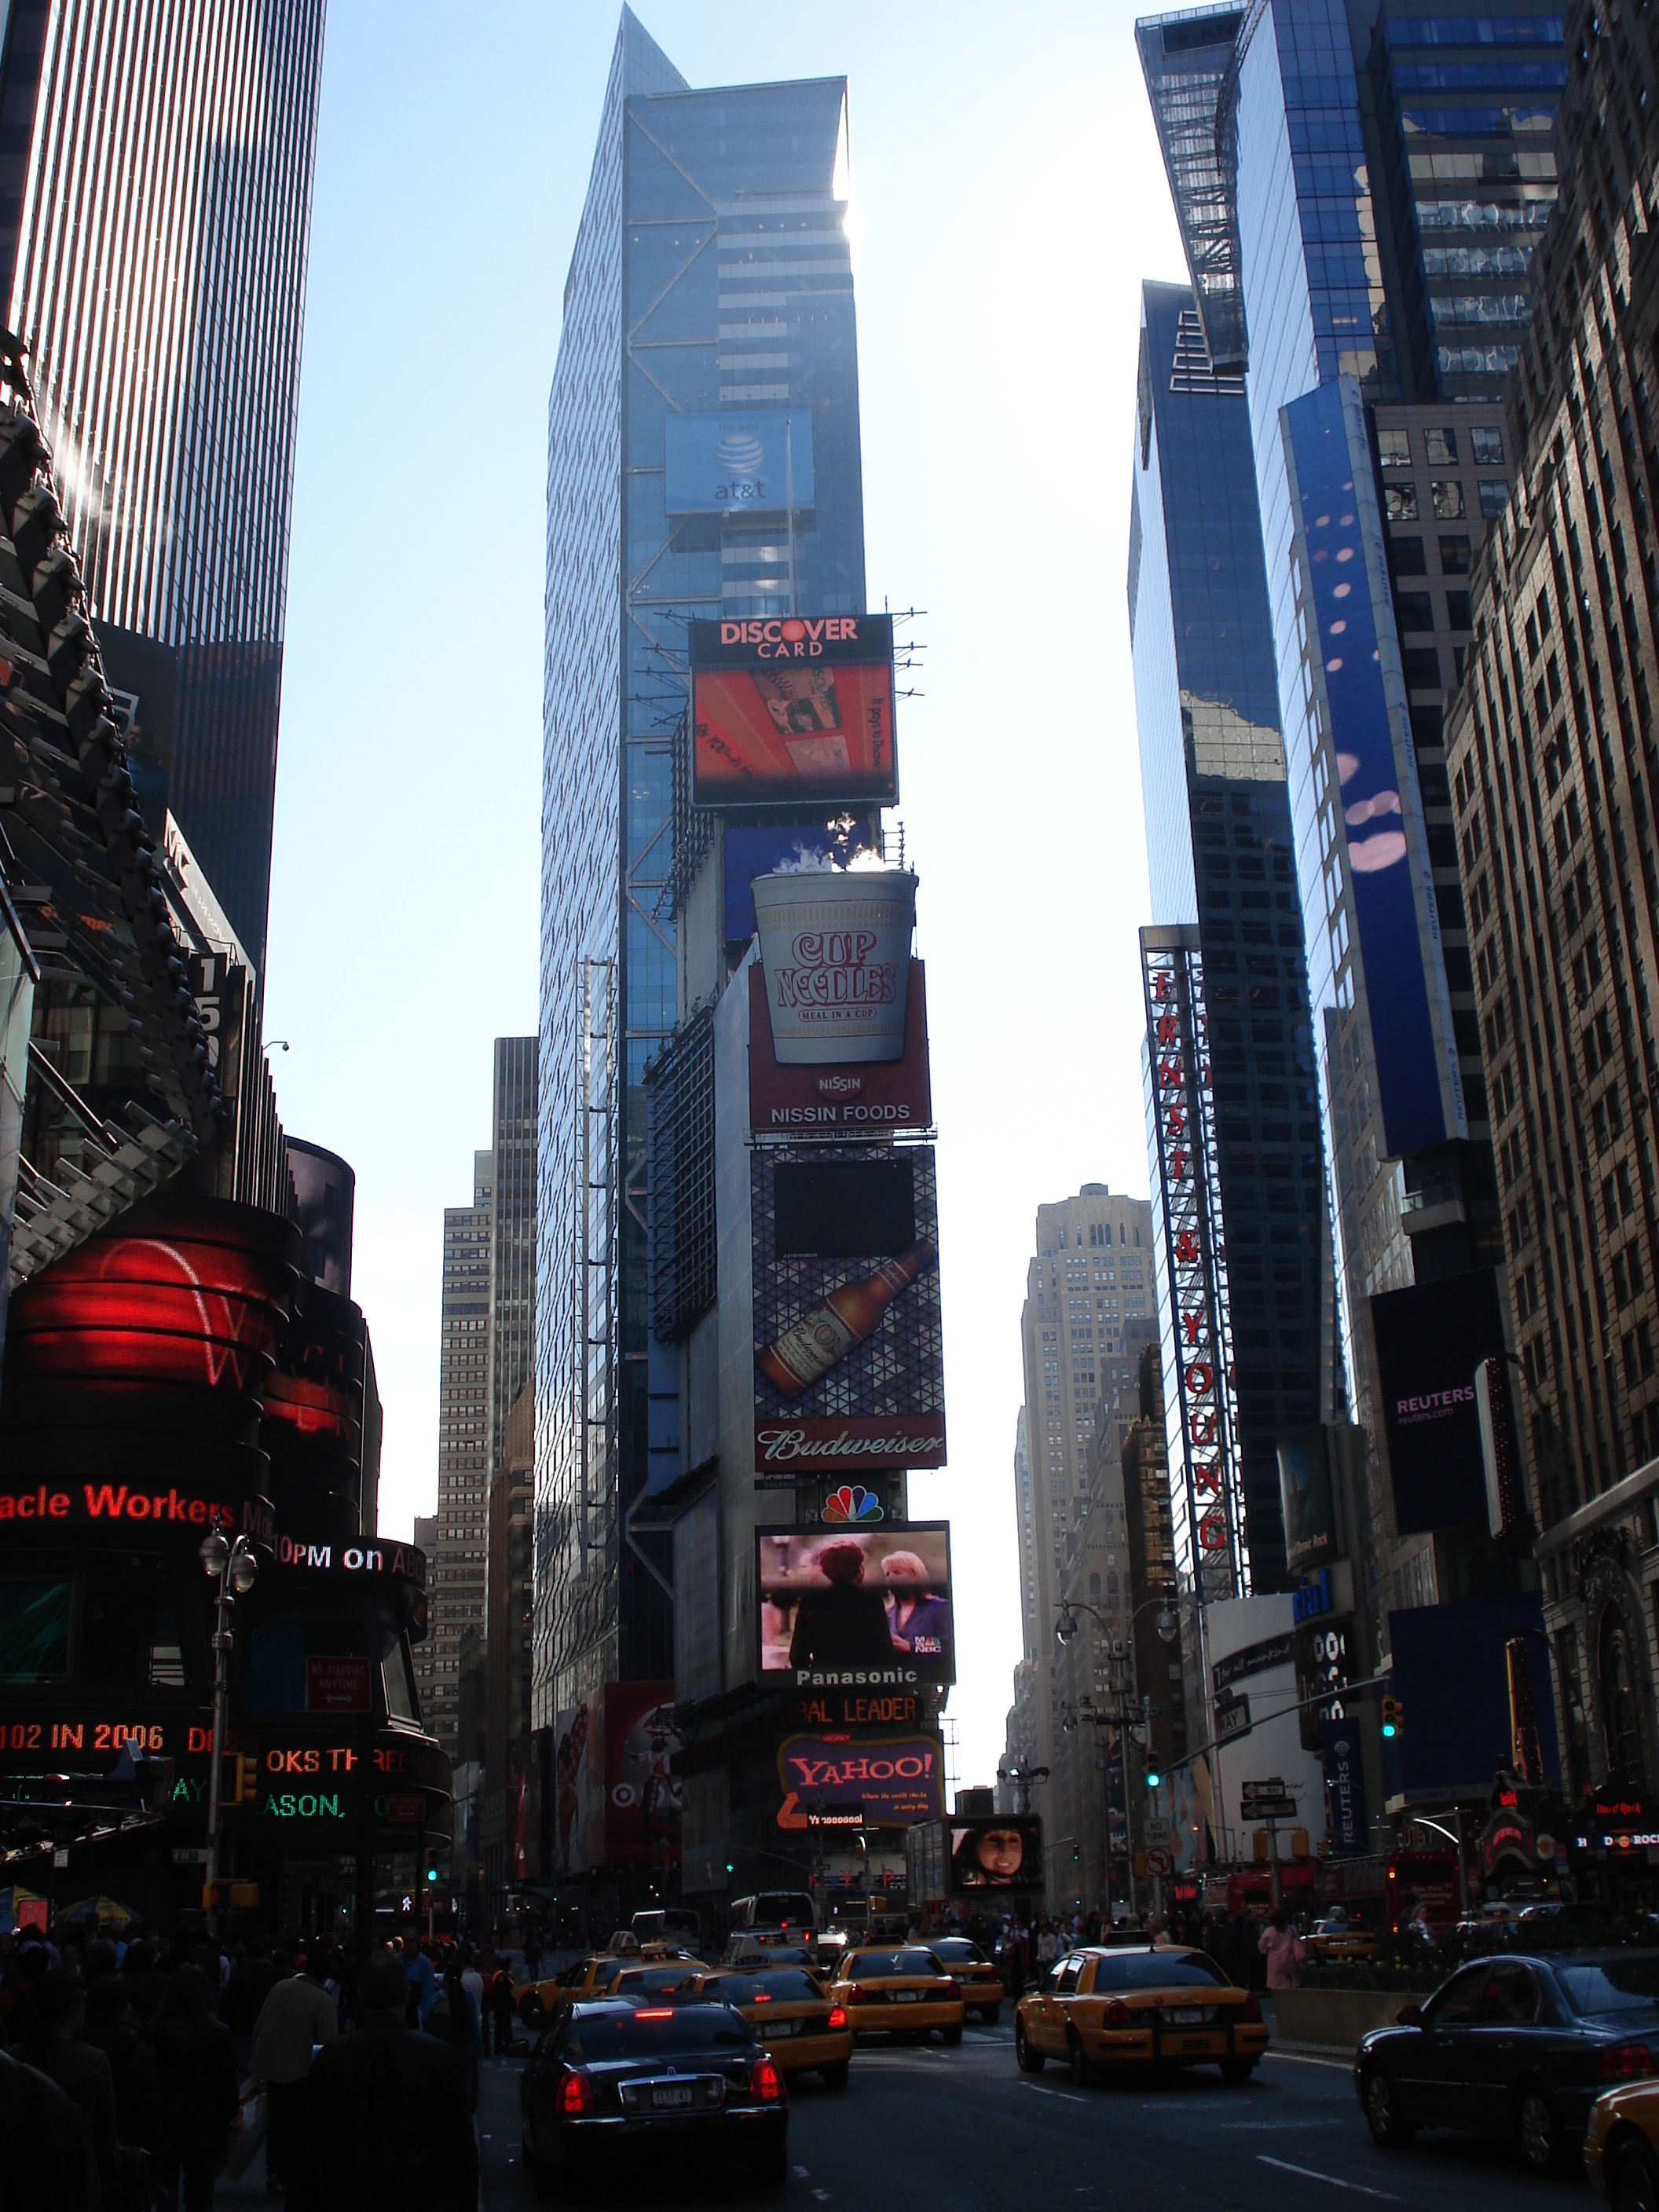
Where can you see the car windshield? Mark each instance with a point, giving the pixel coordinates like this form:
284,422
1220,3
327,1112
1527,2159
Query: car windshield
788,1987
1155,1970
957,1951
655,2034
780,1906
1612,1985
653,1981
871,1965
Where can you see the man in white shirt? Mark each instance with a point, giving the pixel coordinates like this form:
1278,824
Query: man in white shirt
297,2014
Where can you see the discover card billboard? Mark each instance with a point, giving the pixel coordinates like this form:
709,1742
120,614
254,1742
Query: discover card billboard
855,1606
791,710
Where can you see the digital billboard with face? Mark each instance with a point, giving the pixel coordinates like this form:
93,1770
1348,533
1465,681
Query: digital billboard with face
856,1606
995,1851
793,710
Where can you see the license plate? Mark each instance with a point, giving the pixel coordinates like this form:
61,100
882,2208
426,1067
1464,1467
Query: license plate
1185,2015
669,2095
907,1996
772,2029
1190,2042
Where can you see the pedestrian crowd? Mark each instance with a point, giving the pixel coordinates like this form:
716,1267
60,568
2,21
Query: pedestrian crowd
1255,1950
136,2070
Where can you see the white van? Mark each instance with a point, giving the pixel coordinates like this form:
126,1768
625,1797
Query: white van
786,1916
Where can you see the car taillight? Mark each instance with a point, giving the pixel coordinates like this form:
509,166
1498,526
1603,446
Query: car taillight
854,1993
765,2082
837,2017
1624,2061
1116,2013
762,1997
953,1987
1250,2010
576,2094
655,2012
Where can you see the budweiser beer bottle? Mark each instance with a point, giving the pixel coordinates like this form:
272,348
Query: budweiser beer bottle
820,1339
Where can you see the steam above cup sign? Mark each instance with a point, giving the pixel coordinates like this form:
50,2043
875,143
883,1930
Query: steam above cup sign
836,951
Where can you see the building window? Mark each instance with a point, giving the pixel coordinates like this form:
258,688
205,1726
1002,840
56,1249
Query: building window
1455,556
1399,502
1408,556
1494,498
1488,446
1443,448
1448,498
1394,449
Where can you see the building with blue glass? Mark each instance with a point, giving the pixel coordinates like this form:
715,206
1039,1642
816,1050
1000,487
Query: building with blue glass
1220,854
708,307
1358,192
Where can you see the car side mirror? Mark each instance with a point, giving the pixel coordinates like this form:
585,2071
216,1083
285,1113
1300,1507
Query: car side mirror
1410,2015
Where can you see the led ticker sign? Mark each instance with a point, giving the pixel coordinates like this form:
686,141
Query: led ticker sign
129,1506
352,1559
1208,1518
97,1733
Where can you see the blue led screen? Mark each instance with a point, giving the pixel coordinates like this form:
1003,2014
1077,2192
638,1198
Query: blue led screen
724,463
1384,906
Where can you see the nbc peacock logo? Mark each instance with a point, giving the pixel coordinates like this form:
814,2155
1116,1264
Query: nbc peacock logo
853,1502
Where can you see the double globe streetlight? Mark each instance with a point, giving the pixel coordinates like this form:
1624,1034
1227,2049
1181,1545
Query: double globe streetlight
235,1568
1168,1625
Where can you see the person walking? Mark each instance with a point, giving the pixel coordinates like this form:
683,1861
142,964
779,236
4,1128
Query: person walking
298,2012
500,2007
46,2145
389,2130
54,2048
200,2098
453,2018
421,1976
1282,1949
112,2027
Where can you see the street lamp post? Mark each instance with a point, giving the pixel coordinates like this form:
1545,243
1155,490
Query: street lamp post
235,1569
1168,1625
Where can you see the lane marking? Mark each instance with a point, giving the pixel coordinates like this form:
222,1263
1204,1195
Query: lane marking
1330,2180
801,2170
1301,2058
1244,2127
1067,2096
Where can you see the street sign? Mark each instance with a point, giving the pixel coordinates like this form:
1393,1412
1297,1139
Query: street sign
190,1855
1160,1862
1232,1716
1272,1787
1269,1808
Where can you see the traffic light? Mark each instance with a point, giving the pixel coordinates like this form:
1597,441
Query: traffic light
1391,1718
1153,1777
247,1781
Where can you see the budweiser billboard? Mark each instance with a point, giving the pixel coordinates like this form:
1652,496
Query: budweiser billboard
849,1368
832,1098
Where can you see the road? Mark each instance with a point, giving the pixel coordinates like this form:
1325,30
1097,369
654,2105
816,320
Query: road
963,2129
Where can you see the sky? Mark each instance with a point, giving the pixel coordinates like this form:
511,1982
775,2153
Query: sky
1008,201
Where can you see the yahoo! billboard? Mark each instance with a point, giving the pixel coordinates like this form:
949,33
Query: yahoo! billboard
897,1780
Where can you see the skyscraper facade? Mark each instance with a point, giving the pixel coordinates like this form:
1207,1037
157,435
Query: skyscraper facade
457,1573
1221,858
156,180
711,271
1089,1292
1317,160
512,1233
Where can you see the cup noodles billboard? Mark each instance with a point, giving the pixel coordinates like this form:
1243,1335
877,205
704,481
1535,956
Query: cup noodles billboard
834,947
821,1097
792,710
846,1608
849,1363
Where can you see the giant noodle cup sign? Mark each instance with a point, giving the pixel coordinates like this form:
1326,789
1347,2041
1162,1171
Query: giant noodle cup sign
818,1097
898,1780
193,1297
791,710
836,948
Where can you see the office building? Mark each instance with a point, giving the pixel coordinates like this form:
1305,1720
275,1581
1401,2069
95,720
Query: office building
457,1577
711,271
1221,858
1089,1282
155,218
510,1664
512,1234
1358,239
1551,748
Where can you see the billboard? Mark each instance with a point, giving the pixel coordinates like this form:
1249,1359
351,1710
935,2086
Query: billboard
835,946
793,710
1308,1500
895,1094
1354,661
1431,1339
995,1851
751,850
849,1364
738,464
897,1780
1451,1743
615,1801
852,1607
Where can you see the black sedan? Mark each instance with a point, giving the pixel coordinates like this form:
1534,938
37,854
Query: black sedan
1518,2046
612,2077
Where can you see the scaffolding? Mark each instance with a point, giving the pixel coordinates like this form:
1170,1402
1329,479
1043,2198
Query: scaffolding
1191,64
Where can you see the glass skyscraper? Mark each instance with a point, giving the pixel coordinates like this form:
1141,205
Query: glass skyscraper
711,274
1358,191
1220,852
155,178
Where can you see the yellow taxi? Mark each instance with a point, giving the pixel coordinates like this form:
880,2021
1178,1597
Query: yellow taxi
900,1991
664,1978
805,2028
1340,1939
1102,2010
979,1977
537,2003
1621,2150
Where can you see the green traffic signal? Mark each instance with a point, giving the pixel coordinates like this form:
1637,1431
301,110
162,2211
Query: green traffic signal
1153,1777
1392,1716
